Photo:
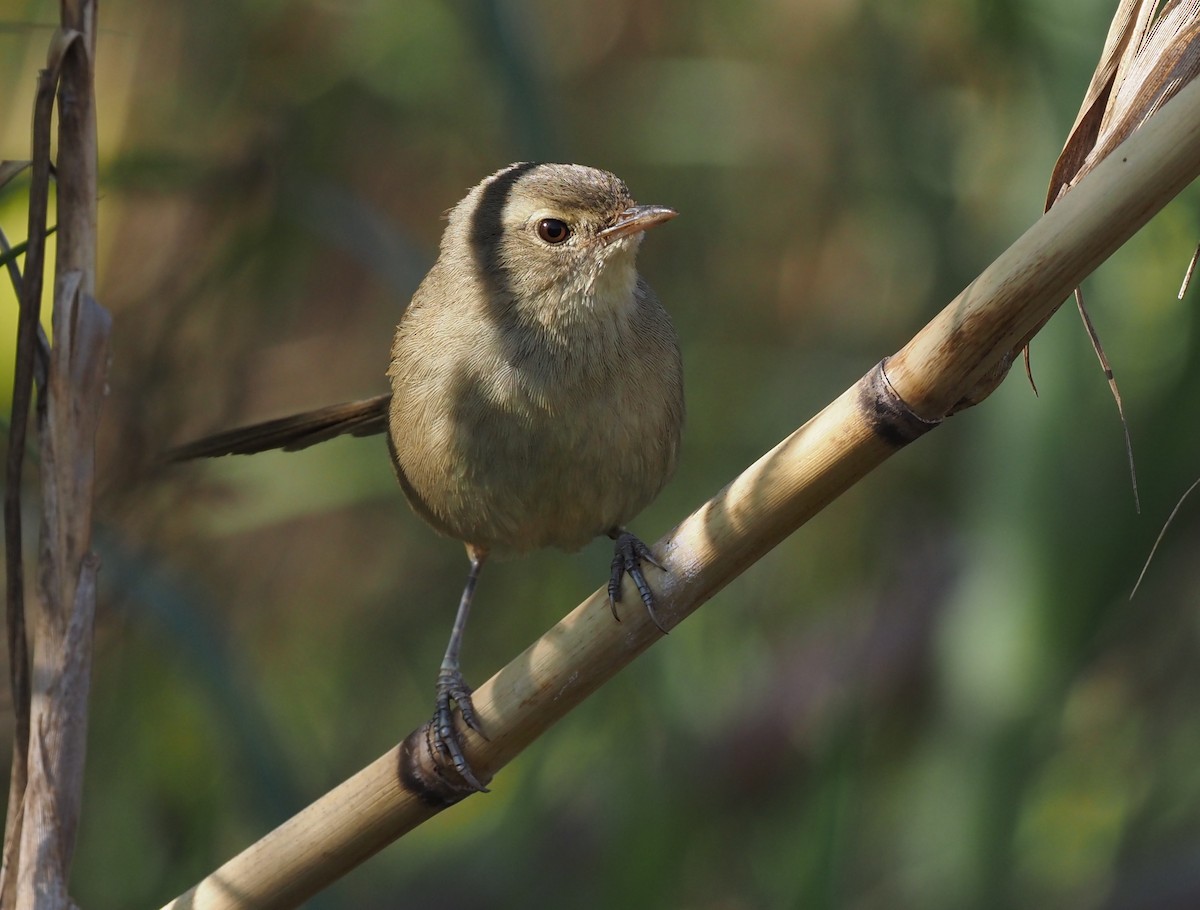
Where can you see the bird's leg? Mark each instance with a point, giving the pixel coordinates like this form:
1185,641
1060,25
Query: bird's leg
451,687
628,554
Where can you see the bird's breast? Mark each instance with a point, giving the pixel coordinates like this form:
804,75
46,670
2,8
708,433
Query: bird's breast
525,442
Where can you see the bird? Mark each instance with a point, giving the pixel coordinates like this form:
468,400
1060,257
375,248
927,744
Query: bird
536,391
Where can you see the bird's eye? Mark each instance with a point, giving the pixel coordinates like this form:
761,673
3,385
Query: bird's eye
553,231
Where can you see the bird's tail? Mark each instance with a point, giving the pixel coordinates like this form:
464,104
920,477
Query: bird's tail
299,431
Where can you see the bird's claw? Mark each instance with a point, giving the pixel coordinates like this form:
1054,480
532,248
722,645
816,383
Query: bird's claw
451,687
628,555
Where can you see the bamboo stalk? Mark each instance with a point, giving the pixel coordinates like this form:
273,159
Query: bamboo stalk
955,361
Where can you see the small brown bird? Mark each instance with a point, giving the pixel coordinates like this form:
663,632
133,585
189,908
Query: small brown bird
537,395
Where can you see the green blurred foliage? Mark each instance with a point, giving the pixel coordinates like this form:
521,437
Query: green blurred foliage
935,695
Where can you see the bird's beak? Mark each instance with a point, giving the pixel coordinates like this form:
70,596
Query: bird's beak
637,218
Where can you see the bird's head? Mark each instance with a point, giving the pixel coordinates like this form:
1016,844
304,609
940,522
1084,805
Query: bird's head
557,240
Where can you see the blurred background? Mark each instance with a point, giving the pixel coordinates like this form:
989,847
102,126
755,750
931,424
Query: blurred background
935,695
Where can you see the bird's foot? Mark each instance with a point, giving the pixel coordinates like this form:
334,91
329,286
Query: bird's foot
451,687
628,555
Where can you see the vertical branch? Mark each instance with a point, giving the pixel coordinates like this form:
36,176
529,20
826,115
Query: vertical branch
60,619
27,328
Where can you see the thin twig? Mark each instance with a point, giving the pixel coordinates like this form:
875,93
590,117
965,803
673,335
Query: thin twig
42,363
1029,370
1187,276
1161,535
1116,393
